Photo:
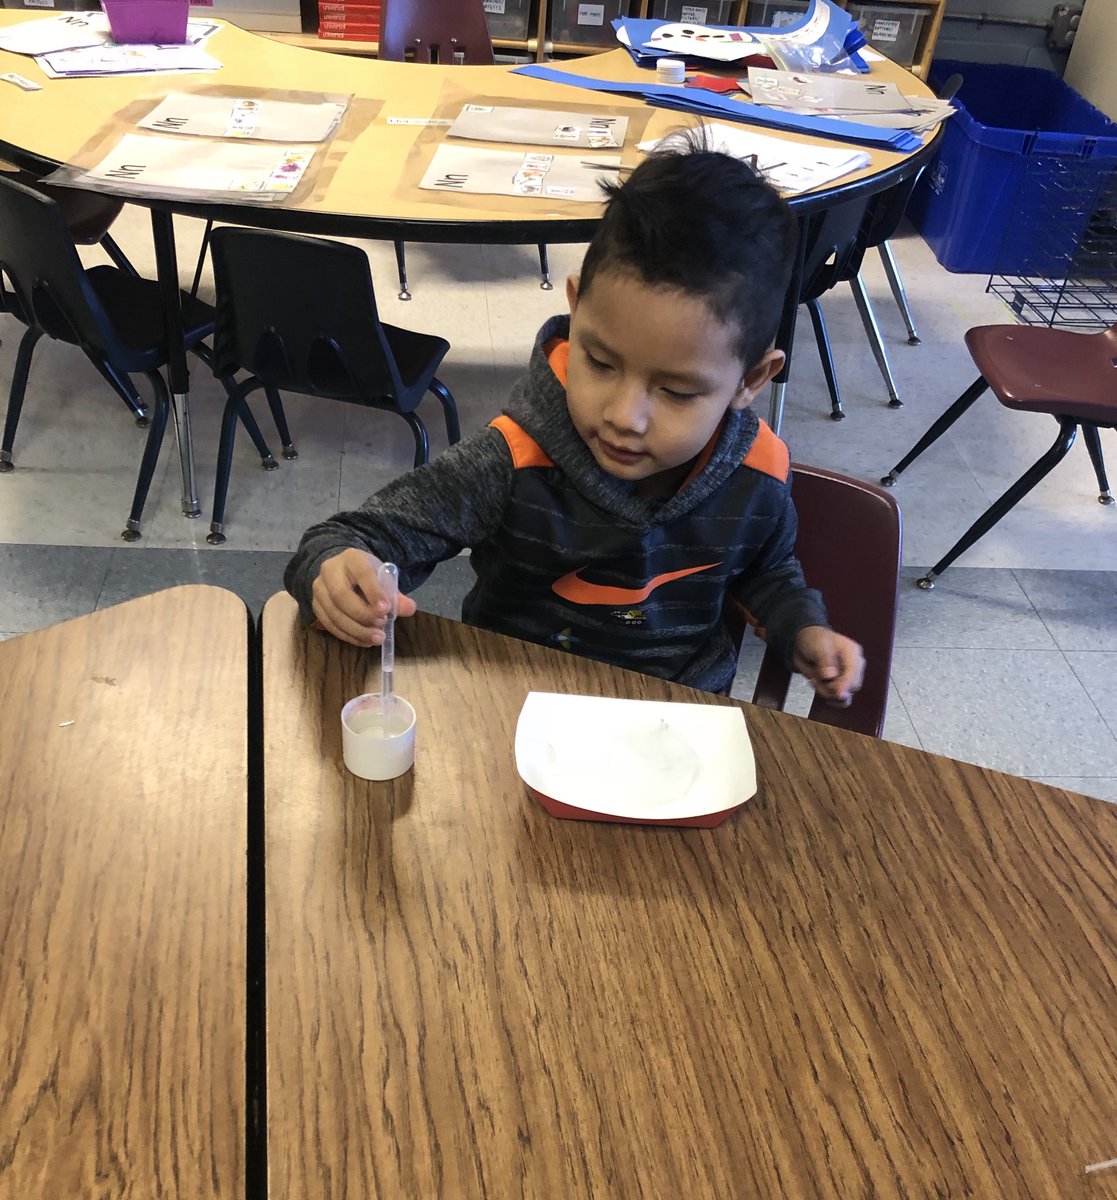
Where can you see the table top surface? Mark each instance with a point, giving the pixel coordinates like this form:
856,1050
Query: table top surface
890,974
372,182
122,867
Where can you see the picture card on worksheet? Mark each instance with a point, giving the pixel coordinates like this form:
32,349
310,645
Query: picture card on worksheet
508,173
245,117
155,165
540,127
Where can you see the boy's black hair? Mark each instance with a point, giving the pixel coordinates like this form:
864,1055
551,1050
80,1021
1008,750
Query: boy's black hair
695,219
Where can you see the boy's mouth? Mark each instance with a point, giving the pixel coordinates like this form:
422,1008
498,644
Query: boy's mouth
620,454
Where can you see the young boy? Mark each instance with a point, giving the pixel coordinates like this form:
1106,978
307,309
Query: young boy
628,489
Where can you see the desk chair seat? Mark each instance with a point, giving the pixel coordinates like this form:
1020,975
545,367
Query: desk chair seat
450,32
322,337
1069,376
849,543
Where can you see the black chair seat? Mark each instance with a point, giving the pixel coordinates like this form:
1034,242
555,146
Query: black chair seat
135,307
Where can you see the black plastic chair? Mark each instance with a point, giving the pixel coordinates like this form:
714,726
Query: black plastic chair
450,32
849,543
319,336
114,316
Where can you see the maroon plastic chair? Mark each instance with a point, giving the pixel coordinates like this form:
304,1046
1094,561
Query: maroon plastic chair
849,544
1066,375
450,32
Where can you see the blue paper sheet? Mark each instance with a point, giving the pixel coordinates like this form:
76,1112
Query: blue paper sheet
694,100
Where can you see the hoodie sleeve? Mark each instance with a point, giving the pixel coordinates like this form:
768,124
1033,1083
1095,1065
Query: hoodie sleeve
773,592
421,519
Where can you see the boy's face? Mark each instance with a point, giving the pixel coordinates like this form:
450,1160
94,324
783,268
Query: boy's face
652,372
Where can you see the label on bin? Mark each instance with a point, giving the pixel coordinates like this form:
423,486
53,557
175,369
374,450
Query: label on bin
693,14
885,30
591,14
495,6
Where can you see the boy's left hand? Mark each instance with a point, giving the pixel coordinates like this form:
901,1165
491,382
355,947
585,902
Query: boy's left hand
834,665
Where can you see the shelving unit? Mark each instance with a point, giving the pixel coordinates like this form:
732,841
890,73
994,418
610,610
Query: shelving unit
539,45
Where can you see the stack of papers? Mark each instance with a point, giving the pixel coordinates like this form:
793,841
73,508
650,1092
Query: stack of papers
199,115
78,44
790,167
862,100
512,173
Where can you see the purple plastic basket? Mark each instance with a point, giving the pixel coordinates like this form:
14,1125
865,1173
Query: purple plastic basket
158,22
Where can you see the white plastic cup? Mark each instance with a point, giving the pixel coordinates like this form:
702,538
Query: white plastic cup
378,737
670,70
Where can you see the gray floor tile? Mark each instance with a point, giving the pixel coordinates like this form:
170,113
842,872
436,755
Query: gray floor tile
898,725
1078,607
1022,711
969,608
1102,788
42,585
139,570
1097,672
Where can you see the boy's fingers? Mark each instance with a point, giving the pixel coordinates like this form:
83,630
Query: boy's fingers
337,622
407,606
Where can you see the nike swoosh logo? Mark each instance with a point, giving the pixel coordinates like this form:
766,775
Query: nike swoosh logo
578,591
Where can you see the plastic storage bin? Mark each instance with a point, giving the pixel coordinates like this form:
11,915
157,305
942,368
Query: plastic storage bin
576,23
774,13
694,12
891,29
508,18
155,22
1023,166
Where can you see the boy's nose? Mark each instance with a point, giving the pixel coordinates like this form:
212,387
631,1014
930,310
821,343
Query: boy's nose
627,409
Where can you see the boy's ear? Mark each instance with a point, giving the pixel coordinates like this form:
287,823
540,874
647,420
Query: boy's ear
572,292
755,378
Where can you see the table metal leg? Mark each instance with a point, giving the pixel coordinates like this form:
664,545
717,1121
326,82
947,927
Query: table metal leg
786,334
178,376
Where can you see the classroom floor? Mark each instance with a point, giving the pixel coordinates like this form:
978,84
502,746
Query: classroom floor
1011,661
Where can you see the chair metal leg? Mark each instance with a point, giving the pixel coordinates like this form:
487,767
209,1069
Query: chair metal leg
976,389
876,343
775,406
248,420
160,410
545,268
275,404
15,397
1093,446
822,340
201,260
422,442
1016,493
401,269
896,283
235,407
124,388
118,256
449,410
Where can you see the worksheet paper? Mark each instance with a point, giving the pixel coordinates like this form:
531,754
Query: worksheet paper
111,59
507,173
540,127
244,117
75,30
154,165
790,167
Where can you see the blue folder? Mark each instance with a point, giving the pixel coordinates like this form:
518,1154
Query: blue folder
710,104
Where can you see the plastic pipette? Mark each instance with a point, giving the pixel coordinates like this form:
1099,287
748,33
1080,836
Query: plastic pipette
388,578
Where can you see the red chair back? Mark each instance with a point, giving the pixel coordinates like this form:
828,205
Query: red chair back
435,31
849,545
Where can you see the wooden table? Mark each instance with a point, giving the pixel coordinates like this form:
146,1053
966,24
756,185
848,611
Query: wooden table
890,975
122,867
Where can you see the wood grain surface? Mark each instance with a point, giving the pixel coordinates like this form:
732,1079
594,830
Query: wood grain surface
122,870
890,975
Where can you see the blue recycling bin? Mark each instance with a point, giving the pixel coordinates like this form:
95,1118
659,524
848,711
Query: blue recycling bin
1026,169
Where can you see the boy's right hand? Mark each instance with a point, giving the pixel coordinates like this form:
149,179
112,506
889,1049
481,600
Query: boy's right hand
347,601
